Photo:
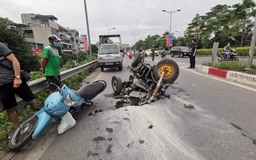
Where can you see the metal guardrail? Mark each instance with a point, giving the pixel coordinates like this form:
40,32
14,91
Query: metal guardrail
39,85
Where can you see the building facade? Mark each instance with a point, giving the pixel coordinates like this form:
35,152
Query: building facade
36,29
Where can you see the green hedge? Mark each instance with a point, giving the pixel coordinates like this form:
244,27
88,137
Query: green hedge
241,51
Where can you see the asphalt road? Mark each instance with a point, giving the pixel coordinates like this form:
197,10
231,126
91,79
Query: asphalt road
204,118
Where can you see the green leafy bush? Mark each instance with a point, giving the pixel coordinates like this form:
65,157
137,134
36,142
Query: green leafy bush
66,57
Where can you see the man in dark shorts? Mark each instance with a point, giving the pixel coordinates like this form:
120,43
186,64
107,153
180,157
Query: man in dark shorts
50,63
12,84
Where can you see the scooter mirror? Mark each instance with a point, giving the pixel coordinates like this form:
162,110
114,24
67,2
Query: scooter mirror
58,89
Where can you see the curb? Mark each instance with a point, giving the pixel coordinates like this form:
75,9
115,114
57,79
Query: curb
243,78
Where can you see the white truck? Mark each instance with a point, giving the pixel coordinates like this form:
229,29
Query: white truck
109,54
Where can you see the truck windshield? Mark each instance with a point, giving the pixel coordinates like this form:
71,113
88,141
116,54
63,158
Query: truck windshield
108,49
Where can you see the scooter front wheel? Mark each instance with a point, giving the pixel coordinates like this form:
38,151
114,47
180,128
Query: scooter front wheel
236,59
23,133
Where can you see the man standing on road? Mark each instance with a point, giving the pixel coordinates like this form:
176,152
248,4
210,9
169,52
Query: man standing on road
50,63
193,54
11,83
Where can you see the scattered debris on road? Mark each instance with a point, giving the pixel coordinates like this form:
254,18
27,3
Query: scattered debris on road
109,148
189,106
110,130
89,154
97,139
151,126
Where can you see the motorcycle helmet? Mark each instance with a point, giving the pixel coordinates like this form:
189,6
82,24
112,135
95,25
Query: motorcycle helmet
53,37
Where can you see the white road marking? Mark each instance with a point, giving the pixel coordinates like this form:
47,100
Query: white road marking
98,77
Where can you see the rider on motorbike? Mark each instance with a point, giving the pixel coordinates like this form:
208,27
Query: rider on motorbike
227,50
163,53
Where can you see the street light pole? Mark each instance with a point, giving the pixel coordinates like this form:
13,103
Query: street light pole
170,13
135,41
110,29
88,31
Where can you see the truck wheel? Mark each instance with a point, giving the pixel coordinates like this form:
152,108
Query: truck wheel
102,69
116,84
120,67
172,71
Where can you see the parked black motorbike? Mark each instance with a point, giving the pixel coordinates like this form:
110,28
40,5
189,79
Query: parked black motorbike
227,56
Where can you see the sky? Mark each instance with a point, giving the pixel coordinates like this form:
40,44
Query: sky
128,17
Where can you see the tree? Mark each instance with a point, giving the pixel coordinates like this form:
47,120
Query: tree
224,24
217,20
196,29
94,48
11,35
156,40
243,12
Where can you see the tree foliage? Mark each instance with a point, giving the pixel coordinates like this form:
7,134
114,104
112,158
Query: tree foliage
223,24
11,35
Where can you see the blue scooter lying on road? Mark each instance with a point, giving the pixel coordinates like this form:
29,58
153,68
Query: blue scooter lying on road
56,106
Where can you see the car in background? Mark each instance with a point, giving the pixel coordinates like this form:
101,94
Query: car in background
156,53
181,51
148,52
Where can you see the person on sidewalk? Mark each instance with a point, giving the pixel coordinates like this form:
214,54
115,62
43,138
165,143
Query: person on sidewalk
193,54
50,63
12,84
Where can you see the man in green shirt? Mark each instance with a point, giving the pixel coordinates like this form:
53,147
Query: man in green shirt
50,63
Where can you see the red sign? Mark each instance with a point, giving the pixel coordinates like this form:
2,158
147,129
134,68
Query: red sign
85,43
167,41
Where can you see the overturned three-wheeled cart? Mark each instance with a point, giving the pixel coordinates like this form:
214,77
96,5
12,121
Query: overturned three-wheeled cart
147,83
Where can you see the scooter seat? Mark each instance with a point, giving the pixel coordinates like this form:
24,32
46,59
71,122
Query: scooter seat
92,90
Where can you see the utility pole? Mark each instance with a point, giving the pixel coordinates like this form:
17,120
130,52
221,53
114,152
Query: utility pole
249,64
170,13
88,31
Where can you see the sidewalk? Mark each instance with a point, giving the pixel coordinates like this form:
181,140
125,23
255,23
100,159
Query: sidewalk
243,78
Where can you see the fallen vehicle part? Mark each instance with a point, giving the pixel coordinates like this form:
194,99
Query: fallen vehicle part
146,83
